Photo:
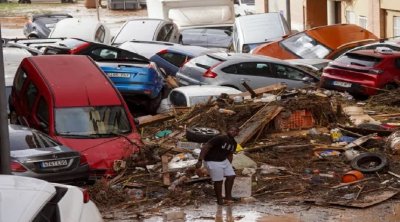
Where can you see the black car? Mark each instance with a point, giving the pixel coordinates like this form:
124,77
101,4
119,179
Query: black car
34,154
41,25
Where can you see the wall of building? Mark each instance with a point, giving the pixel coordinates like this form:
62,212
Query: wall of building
296,11
390,9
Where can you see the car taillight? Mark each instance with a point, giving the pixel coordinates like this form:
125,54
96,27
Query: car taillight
162,52
17,167
83,160
209,74
86,196
79,48
375,71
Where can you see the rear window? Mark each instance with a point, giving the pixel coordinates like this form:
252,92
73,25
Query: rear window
305,47
359,60
205,61
23,140
177,98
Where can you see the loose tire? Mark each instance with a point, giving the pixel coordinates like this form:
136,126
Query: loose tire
369,162
200,134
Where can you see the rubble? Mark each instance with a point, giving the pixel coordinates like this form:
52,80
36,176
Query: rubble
300,160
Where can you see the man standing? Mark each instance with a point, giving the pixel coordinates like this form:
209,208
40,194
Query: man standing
217,154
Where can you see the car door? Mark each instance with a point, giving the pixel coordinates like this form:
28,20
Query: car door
255,74
218,38
194,37
294,78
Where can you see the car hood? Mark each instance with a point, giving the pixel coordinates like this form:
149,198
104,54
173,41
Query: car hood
101,152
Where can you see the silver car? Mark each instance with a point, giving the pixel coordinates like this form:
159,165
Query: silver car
232,69
34,154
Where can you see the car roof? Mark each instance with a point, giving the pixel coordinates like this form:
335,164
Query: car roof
244,56
75,80
75,27
189,49
375,53
23,197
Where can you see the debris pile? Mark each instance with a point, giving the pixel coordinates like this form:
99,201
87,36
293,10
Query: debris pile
306,147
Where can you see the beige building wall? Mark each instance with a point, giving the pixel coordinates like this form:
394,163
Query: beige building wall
391,9
365,13
296,11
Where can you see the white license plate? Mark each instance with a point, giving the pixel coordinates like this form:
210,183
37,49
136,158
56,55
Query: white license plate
119,75
56,163
342,84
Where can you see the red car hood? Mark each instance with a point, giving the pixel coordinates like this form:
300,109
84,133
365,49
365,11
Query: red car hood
102,152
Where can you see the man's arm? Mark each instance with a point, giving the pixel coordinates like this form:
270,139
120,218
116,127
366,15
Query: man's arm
204,150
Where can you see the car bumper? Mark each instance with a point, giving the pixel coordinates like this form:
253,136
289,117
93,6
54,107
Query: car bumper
133,90
351,87
184,80
79,174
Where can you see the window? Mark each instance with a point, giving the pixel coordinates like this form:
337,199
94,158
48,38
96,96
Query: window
285,72
396,26
43,111
350,17
100,34
177,98
362,21
359,60
104,53
305,47
165,33
174,58
20,80
253,68
31,94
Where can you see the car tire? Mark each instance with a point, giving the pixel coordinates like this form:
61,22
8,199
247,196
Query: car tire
200,134
153,104
363,162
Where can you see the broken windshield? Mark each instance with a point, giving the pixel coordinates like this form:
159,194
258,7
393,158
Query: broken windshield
305,47
91,121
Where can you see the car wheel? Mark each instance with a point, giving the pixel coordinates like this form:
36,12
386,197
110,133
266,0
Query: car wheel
390,86
369,162
200,134
153,104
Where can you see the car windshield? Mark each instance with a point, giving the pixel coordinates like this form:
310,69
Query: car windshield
24,139
305,47
359,60
91,121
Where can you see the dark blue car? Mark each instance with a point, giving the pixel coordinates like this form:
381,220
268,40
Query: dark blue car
172,58
138,79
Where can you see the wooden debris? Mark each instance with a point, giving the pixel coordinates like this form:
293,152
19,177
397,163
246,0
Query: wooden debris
150,119
351,183
358,142
166,178
393,174
253,125
266,89
250,90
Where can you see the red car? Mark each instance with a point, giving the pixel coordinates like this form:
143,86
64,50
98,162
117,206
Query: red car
363,72
72,100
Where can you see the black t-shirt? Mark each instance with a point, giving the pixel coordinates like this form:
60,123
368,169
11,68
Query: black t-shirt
221,147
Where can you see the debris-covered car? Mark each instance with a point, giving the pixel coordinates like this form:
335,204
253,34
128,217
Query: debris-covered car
324,42
87,29
31,199
188,96
73,101
232,69
138,79
363,72
41,25
35,154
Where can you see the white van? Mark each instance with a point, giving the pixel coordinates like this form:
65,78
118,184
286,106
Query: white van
83,28
252,30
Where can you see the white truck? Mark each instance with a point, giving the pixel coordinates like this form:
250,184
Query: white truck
190,13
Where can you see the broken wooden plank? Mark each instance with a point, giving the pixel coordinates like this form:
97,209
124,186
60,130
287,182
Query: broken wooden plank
297,133
166,178
265,89
150,119
393,174
251,127
366,131
367,200
358,142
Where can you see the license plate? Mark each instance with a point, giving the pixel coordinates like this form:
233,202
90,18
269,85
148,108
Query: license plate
119,75
342,84
56,163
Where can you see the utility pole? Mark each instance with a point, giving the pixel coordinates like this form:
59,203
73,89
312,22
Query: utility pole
4,139
288,18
